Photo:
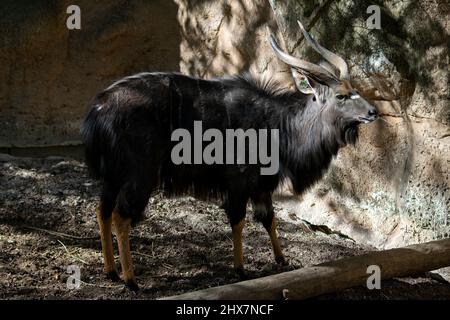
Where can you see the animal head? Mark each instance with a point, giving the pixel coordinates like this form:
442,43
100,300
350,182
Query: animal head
329,84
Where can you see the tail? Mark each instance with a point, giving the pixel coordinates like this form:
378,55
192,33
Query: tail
92,132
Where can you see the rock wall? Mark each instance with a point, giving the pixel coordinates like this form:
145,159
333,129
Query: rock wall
49,73
393,187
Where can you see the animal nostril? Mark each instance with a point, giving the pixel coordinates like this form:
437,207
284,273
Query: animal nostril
373,112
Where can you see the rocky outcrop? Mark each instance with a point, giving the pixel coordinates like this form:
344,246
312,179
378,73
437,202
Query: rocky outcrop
393,187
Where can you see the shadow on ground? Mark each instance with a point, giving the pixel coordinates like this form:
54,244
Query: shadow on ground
47,223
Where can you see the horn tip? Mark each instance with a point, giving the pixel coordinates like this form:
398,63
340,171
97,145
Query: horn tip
301,25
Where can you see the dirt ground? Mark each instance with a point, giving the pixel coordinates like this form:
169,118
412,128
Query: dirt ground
47,223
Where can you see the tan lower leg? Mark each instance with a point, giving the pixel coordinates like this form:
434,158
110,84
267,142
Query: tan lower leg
275,243
237,245
106,239
122,226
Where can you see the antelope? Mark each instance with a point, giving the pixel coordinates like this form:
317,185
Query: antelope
127,136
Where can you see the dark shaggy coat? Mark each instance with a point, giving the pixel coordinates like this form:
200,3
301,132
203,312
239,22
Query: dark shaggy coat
127,135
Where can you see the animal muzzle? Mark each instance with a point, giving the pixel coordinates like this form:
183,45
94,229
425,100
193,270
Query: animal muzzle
371,115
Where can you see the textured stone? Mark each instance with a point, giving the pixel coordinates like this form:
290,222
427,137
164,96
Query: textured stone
392,188
50,73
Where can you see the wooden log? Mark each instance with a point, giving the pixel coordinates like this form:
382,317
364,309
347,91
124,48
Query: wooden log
332,276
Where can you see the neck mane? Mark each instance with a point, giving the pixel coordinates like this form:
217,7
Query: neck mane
309,138
310,133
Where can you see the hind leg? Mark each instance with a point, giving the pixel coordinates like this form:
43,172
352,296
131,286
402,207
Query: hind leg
131,202
104,220
107,246
263,210
122,226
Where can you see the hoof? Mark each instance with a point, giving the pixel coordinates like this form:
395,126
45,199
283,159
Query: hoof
241,273
113,276
132,285
281,261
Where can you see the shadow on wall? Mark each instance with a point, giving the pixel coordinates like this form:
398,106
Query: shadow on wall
416,47
221,37
51,73
397,171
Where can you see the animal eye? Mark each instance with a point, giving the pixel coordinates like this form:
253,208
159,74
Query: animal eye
340,97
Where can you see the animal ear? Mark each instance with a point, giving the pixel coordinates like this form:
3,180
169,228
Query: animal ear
302,82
